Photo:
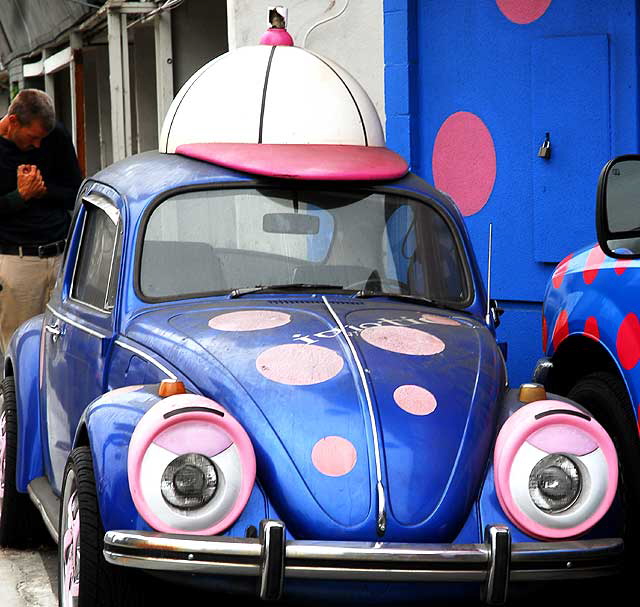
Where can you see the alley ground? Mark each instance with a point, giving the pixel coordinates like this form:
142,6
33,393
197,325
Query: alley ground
28,578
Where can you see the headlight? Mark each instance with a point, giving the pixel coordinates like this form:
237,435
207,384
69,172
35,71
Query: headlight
555,470
189,481
555,483
191,466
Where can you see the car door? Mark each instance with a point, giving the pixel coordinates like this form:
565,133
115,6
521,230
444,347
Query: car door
78,328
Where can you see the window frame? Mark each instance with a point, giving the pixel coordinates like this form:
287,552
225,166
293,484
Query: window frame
468,275
110,210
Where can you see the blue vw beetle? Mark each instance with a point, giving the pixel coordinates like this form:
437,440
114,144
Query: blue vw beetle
269,366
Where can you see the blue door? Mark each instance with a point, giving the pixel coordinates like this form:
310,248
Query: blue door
487,81
78,330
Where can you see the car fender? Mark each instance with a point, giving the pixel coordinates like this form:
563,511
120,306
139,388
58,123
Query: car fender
594,317
22,361
106,427
490,509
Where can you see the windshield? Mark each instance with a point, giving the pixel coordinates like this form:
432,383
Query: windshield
218,241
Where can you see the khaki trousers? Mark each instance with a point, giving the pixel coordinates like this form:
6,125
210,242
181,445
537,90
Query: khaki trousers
26,284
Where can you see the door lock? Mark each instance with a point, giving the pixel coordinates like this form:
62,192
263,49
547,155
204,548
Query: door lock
545,148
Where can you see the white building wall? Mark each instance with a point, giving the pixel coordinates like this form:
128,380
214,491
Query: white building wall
354,38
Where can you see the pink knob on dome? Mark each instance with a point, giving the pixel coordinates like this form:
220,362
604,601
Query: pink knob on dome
276,36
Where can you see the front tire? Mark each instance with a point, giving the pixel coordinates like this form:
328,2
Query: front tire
605,396
20,523
85,579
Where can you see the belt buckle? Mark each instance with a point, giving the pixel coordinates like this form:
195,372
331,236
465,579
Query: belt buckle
48,250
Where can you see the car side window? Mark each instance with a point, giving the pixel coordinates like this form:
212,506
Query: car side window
96,270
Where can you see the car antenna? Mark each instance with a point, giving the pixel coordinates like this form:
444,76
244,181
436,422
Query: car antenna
488,317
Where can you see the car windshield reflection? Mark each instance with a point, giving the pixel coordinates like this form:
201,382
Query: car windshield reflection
251,240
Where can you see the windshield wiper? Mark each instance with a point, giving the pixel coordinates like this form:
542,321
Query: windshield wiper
402,296
286,287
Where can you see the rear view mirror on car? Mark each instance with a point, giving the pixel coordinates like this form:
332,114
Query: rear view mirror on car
290,223
618,207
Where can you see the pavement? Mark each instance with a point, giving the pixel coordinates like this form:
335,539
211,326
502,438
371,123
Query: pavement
28,577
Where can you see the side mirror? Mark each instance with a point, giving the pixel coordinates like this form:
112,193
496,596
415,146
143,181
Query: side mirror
618,207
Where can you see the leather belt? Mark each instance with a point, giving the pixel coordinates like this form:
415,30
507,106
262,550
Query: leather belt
51,249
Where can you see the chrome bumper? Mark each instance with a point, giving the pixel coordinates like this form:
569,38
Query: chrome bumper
271,559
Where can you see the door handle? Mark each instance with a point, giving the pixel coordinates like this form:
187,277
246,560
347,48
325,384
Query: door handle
54,331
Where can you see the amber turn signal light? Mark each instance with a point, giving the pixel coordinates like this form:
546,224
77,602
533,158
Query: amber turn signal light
169,387
530,393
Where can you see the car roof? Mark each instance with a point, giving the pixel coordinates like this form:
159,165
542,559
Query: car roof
141,178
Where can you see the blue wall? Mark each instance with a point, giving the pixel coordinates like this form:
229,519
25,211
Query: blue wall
470,93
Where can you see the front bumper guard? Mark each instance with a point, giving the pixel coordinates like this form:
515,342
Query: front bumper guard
271,559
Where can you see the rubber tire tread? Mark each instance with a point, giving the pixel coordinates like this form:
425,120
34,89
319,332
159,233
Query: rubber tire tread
20,523
605,396
101,584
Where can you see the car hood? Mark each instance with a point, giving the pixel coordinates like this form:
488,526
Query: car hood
411,401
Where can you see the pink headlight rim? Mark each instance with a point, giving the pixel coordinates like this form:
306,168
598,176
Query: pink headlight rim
513,434
154,422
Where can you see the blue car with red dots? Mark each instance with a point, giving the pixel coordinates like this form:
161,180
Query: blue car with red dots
590,325
269,367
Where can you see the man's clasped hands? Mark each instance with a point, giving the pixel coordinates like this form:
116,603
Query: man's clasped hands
30,182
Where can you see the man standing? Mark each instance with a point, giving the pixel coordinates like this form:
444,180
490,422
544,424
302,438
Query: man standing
39,180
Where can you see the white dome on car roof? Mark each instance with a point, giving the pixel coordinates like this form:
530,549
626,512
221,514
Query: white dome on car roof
271,95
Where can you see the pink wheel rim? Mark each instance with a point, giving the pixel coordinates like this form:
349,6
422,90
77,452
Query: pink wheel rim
70,540
3,454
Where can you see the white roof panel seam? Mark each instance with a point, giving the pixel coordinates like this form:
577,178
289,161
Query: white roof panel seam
264,92
192,81
364,129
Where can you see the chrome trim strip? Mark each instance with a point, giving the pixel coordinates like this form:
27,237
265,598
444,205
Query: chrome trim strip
75,323
72,286
361,561
188,564
104,204
146,357
106,313
119,342
116,244
113,214
49,524
382,514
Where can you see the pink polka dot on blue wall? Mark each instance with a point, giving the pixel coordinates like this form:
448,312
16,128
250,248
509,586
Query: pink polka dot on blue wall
523,11
464,161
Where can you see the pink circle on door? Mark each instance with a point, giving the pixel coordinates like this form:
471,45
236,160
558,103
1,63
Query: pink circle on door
523,11
464,161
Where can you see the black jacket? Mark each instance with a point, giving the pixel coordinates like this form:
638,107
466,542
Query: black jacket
43,220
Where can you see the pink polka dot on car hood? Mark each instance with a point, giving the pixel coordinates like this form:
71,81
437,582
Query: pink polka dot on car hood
299,364
403,340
